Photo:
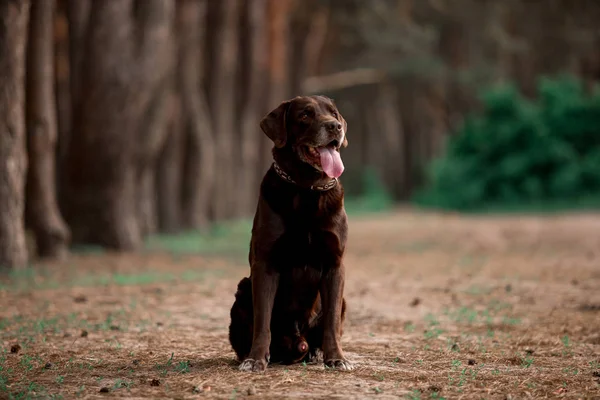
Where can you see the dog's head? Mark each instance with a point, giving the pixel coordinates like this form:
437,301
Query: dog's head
312,128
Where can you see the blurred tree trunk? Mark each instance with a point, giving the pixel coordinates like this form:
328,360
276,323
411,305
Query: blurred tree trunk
78,13
154,130
125,42
220,80
42,213
387,109
278,66
254,39
299,21
62,87
451,96
69,86
152,138
14,16
199,152
169,171
345,100
310,20
589,66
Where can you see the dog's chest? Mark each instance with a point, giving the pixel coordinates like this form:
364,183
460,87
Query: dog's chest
304,276
305,249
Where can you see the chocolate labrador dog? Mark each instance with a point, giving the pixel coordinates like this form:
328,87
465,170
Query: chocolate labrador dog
292,306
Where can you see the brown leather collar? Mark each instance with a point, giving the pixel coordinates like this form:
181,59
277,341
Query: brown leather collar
329,185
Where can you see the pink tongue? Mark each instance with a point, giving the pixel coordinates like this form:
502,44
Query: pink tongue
331,162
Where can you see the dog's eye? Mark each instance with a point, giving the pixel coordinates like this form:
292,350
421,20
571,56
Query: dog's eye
335,115
304,116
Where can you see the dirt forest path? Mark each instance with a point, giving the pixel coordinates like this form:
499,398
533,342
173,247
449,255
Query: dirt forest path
439,306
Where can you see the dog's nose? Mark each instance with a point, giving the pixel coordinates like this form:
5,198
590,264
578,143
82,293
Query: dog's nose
333,126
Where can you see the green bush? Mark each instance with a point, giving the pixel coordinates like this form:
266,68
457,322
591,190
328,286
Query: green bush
519,153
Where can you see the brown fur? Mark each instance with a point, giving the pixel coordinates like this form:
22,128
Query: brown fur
298,242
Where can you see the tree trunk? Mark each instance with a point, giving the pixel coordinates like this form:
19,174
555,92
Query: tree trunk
121,68
78,14
14,16
169,173
42,214
155,125
309,33
153,136
392,137
278,66
300,22
199,172
221,94
254,39
62,83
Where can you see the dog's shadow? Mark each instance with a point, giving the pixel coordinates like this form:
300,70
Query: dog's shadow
217,362
233,364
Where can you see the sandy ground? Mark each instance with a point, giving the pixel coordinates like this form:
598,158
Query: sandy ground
439,306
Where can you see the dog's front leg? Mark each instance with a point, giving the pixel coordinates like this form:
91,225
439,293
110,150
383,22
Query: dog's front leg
332,292
264,288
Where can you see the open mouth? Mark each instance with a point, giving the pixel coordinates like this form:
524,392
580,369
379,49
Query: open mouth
325,158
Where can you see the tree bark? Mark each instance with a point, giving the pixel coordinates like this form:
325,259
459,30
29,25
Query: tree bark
199,169
221,95
310,22
169,173
62,83
300,22
255,41
153,136
392,137
160,55
78,14
42,214
121,69
14,16
69,59
278,67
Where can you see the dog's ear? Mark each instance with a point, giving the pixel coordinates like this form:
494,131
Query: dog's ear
342,120
345,128
273,124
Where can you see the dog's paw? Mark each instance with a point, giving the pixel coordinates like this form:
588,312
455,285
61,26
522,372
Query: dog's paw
341,364
251,365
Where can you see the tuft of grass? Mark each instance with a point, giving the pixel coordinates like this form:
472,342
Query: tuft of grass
409,327
164,368
464,314
27,362
122,384
434,330
527,361
476,290
379,377
414,395
183,367
571,371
